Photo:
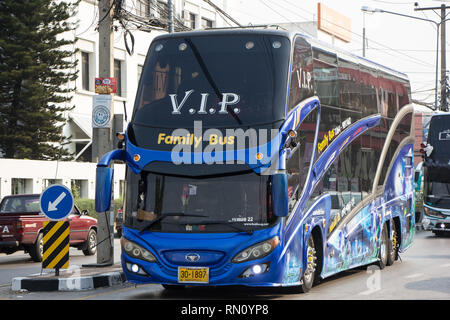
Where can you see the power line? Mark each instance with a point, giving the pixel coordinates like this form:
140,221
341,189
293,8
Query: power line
222,12
411,58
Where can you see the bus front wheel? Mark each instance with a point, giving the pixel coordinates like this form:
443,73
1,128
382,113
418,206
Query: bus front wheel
393,245
311,263
383,251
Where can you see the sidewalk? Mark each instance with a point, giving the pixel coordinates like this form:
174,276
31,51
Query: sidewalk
76,278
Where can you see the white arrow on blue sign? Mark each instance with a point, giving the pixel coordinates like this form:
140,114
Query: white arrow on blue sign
56,202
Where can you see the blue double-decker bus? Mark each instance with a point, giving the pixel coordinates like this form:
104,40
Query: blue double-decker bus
262,157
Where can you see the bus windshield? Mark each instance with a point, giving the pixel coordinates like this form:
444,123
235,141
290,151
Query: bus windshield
438,194
180,204
439,137
223,81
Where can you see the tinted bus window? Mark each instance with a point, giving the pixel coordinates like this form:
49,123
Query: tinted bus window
326,77
349,84
350,167
388,98
302,85
371,145
403,91
401,132
300,161
369,85
196,78
342,180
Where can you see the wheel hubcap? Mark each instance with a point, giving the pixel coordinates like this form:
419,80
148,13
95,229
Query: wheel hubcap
311,263
93,242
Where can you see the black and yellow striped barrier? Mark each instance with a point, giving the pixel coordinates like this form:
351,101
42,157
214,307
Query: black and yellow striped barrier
56,245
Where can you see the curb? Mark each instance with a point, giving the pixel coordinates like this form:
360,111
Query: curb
68,284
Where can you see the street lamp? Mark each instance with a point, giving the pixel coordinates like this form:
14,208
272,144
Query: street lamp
438,24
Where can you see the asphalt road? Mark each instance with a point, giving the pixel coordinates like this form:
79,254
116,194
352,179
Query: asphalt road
423,273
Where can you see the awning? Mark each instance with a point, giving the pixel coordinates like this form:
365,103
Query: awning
83,121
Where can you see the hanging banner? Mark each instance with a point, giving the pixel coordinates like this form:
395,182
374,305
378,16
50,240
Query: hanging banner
101,111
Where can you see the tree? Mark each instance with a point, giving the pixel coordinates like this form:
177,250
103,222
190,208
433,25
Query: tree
36,66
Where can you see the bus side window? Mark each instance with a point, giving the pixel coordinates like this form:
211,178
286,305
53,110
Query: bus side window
301,73
299,163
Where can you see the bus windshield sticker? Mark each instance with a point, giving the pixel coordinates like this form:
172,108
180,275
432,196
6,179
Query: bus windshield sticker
145,215
444,135
192,190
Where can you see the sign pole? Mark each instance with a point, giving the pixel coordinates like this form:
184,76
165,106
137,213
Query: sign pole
56,203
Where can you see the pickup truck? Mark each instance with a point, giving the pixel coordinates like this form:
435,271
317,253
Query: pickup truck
21,227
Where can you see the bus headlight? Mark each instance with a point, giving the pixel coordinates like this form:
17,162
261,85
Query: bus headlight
257,251
135,251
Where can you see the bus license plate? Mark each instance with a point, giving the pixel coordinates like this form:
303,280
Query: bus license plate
193,274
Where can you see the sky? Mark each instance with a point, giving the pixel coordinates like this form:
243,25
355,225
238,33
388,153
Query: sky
401,43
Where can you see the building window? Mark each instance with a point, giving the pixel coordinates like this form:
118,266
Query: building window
142,8
21,186
206,23
79,188
191,20
48,182
118,75
85,85
139,72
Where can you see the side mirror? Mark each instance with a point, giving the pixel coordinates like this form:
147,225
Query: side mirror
84,213
280,194
103,186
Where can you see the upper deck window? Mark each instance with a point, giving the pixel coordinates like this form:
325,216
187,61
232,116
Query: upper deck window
325,77
221,80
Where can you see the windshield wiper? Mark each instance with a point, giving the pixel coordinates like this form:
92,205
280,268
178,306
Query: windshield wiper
210,79
169,214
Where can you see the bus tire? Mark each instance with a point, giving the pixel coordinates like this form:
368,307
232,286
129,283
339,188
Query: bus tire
393,246
383,252
309,275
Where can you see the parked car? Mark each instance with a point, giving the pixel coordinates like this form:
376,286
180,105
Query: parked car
21,227
119,221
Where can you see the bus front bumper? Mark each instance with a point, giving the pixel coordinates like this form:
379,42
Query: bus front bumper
265,272
434,224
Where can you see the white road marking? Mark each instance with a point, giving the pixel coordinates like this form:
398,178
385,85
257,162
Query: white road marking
415,275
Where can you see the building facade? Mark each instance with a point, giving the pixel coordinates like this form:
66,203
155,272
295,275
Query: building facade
32,176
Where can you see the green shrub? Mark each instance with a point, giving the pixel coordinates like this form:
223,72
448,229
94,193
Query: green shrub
89,205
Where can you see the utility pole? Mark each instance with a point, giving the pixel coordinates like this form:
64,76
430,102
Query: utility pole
443,7
364,34
102,137
170,7
443,62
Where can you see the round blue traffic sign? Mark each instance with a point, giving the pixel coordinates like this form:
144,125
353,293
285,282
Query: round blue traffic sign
56,202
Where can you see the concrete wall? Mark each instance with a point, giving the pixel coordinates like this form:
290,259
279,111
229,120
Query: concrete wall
39,174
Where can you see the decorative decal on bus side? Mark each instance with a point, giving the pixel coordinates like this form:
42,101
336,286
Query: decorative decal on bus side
304,79
330,135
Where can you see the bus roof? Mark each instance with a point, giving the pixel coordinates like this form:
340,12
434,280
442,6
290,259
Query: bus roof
291,35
